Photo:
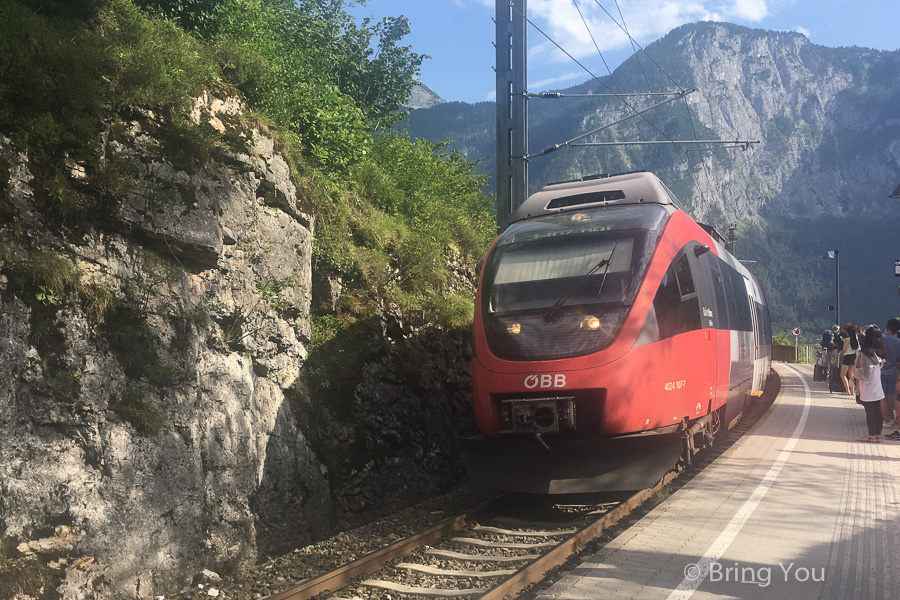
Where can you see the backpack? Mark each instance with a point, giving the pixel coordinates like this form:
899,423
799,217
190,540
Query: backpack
865,365
828,340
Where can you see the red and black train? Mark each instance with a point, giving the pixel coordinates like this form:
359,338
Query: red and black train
613,336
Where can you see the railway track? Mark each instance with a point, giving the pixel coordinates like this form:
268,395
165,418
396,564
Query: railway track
496,551
489,553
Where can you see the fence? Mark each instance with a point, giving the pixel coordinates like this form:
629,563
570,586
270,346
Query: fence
804,353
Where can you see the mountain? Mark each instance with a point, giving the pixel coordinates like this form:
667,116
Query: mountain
423,96
829,154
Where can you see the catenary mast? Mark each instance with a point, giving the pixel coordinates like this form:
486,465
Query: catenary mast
512,108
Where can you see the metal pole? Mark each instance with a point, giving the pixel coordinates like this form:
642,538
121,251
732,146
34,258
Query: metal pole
837,288
512,107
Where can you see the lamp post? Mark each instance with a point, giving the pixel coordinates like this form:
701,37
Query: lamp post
835,255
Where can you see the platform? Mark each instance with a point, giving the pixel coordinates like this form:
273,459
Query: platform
794,509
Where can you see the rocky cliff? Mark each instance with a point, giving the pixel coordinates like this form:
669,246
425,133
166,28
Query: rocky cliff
145,360
154,331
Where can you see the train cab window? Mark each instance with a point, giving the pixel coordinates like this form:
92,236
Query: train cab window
561,285
676,305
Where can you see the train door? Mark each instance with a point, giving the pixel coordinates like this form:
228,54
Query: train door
753,320
683,308
717,311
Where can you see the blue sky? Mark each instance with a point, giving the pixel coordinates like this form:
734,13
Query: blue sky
458,34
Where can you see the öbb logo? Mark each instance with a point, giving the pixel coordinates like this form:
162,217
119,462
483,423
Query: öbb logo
545,381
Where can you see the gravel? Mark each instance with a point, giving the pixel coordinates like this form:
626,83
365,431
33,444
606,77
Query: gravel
279,573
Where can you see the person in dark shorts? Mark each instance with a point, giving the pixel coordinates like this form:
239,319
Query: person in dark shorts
850,339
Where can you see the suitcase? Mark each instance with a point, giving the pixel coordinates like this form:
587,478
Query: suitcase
820,373
835,383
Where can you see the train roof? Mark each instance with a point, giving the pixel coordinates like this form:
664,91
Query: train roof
639,187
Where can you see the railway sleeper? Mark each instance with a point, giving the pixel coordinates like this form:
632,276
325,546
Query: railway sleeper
428,569
412,590
502,545
513,532
480,557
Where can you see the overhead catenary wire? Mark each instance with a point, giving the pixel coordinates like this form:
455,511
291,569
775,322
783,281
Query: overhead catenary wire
731,144
637,113
648,55
634,43
608,70
557,95
587,70
686,157
722,144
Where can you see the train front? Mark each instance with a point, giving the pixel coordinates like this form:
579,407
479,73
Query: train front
553,328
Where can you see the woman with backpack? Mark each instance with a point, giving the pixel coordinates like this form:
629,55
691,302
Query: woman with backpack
868,377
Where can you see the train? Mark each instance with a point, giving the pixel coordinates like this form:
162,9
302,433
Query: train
614,337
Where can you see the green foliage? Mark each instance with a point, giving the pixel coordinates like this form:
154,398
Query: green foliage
50,81
97,300
416,208
58,75
800,285
134,408
335,364
323,84
308,66
156,64
272,292
4,173
54,274
47,296
783,339
65,384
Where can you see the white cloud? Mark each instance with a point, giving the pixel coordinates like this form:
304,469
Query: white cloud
751,10
803,30
645,20
546,83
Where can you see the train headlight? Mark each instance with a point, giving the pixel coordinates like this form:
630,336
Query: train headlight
590,323
514,329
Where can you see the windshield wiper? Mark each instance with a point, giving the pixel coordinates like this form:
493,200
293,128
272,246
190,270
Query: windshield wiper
552,315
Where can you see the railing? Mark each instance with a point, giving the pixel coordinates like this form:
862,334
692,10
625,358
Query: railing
804,353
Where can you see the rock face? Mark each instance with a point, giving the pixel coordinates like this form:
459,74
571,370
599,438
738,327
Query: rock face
423,96
157,413
144,428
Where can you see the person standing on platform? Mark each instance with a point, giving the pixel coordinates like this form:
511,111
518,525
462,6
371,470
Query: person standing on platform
868,363
890,372
849,348
829,343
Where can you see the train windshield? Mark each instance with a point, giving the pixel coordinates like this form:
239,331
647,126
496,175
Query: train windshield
588,271
561,285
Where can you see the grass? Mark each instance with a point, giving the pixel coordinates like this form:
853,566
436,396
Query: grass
134,408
